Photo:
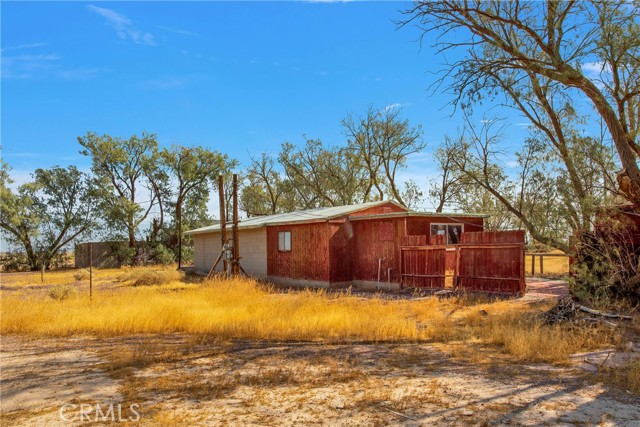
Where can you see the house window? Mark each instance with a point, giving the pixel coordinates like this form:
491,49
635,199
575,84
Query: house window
284,241
451,231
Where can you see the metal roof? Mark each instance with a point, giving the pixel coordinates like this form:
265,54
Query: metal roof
325,214
311,215
449,215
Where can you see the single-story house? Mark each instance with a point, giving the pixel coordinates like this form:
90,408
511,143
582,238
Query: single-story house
338,246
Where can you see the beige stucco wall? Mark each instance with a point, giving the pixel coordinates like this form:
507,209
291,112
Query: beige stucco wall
253,251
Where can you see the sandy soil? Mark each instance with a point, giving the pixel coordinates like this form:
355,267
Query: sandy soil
180,380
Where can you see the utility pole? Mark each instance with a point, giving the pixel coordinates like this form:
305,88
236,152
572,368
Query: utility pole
236,243
223,221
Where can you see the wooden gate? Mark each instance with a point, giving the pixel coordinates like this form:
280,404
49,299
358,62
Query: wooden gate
423,264
483,261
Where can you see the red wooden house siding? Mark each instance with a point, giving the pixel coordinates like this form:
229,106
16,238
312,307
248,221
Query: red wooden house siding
320,251
309,255
343,250
382,209
372,240
382,238
340,249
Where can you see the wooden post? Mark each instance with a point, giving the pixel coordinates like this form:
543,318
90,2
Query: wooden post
236,243
541,264
223,220
90,271
533,265
42,274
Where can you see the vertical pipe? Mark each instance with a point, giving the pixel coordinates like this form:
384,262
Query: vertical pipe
401,268
236,242
223,221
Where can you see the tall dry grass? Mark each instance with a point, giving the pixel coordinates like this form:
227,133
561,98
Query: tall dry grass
244,309
227,309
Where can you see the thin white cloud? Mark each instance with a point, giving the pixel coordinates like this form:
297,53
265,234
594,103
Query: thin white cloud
23,154
511,163
28,66
45,65
123,26
79,73
23,46
179,31
394,106
595,68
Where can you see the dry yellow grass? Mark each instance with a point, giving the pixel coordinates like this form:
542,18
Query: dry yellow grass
244,309
226,309
56,277
626,376
550,264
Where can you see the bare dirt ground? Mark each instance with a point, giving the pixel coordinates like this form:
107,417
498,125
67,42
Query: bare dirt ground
196,381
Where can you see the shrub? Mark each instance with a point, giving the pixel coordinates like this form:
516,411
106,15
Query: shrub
607,268
81,275
14,261
187,254
123,254
162,255
60,293
150,276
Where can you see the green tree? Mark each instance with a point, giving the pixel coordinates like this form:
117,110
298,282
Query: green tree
128,171
47,214
192,169
315,175
383,142
266,191
538,45
536,190
322,176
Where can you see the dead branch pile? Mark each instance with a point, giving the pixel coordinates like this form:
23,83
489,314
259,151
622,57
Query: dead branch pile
567,310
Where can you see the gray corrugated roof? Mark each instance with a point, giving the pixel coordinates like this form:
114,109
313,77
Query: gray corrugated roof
311,215
324,214
450,215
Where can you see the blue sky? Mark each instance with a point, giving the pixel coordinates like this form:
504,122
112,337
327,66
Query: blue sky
238,77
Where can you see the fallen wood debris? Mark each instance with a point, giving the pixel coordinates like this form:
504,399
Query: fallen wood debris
599,313
566,310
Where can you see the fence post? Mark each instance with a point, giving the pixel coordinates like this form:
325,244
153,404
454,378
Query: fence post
533,265
541,264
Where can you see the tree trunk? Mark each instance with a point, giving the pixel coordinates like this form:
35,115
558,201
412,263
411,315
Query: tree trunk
629,177
179,229
132,237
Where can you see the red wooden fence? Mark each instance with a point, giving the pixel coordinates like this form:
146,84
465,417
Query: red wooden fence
483,261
